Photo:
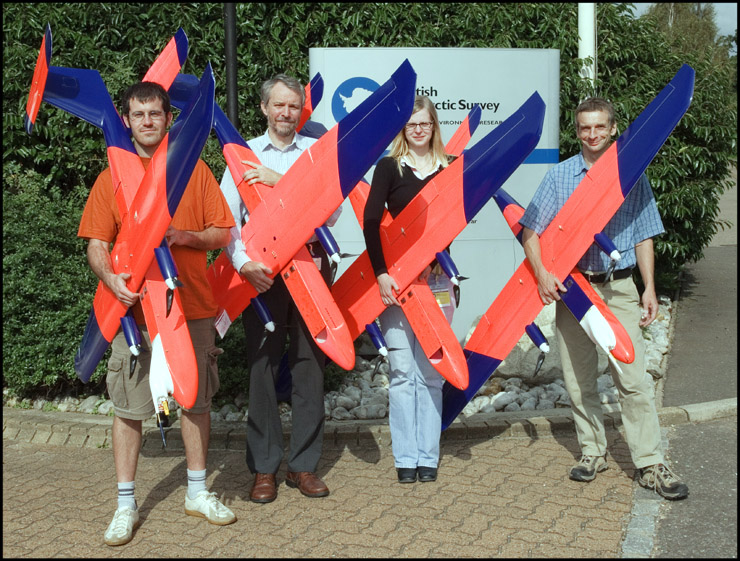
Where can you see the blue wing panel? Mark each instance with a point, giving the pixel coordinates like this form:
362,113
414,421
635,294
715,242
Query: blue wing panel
575,299
91,349
185,140
353,152
508,144
453,399
660,117
83,94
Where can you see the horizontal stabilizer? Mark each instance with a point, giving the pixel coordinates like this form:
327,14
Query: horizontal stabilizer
434,334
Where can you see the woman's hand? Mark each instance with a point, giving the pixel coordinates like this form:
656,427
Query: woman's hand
387,286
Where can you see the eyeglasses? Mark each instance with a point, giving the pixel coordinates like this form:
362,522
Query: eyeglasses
425,126
137,116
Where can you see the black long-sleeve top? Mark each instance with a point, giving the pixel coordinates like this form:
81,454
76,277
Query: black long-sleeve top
394,189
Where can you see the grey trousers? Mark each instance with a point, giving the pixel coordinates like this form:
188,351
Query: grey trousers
264,351
635,385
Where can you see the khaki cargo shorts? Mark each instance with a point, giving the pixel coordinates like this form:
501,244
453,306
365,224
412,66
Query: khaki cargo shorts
130,393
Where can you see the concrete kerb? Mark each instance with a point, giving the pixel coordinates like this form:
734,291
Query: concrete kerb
85,430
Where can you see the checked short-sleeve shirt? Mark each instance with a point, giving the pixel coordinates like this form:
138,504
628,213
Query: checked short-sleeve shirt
636,220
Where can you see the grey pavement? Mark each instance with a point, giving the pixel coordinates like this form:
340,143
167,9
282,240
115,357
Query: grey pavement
503,488
701,373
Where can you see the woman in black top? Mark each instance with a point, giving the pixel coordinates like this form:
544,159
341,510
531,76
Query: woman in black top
415,396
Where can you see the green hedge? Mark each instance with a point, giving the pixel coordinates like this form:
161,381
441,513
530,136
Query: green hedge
47,285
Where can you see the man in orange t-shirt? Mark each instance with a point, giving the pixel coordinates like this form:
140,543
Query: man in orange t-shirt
201,223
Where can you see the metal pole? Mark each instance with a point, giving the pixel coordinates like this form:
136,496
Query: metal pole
587,40
232,103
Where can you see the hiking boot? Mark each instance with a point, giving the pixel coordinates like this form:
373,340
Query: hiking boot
663,481
206,505
121,528
588,467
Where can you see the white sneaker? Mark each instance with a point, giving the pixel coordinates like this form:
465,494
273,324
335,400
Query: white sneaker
206,505
121,528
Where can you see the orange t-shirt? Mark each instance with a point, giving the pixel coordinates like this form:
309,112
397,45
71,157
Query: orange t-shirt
202,206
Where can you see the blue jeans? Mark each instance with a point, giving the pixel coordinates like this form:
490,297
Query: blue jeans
415,392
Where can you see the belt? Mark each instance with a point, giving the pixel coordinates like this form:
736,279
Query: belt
598,278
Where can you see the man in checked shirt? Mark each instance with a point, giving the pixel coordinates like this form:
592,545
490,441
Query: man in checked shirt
632,228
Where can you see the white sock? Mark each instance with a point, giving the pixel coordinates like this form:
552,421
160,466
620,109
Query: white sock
126,495
196,482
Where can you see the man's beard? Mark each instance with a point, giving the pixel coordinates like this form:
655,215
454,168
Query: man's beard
285,128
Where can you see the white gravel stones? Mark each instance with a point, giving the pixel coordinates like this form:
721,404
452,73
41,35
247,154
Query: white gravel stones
105,408
364,392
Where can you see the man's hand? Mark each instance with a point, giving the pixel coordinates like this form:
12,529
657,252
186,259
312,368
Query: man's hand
175,236
256,273
117,285
649,308
646,263
98,256
387,285
260,174
549,287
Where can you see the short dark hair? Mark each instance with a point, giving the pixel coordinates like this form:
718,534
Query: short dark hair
143,92
595,104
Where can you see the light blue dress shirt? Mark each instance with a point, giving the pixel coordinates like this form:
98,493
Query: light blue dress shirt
276,159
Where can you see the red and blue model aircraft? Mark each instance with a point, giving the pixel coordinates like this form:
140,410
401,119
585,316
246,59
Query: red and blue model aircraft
147,200
428,224
597,320
359,195
358,198
284,217
569,235
302,278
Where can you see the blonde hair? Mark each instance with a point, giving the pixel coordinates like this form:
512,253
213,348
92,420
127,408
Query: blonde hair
400,146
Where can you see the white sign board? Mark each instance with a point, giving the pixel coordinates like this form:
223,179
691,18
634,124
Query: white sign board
499,80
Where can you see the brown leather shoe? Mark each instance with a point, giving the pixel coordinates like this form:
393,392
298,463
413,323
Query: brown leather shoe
307,483
264,489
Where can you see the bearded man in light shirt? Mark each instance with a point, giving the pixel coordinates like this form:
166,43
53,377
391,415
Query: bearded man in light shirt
282,100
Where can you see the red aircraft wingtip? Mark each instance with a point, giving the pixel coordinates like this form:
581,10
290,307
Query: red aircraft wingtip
344,357
38,83
168,64
623,354
456,376
314,92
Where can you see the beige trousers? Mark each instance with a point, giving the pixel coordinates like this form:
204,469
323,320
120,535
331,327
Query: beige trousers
635,385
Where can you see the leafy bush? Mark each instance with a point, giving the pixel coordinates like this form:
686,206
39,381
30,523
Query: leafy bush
45,314
47,284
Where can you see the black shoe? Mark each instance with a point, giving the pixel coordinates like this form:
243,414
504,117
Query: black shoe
427,474
406,475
